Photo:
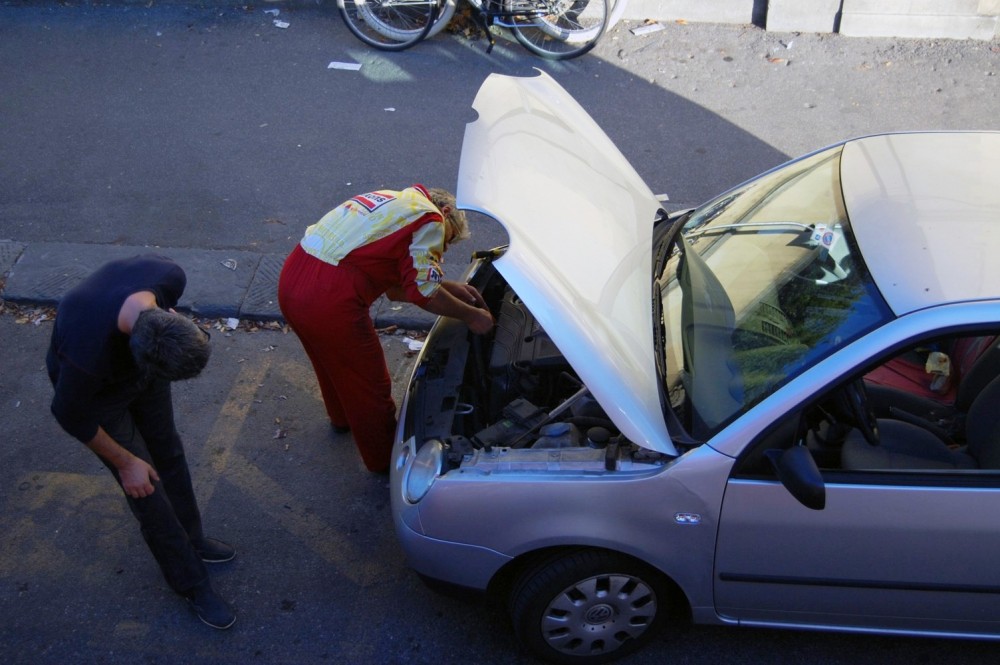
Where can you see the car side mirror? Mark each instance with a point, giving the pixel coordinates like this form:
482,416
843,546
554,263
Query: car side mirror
798,472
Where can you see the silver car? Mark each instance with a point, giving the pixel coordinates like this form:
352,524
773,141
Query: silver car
778,409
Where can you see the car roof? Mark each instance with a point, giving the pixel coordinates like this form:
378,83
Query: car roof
925,209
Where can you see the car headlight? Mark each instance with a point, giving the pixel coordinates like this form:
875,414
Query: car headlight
423,471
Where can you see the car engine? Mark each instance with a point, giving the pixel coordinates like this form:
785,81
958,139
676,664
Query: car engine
509,400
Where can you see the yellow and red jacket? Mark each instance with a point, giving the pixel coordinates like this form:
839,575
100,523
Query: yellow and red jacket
373,225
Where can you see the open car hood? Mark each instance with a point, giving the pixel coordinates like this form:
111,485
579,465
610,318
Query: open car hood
580,221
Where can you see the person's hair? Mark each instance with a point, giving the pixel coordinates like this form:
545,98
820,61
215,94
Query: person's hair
455,218
168,345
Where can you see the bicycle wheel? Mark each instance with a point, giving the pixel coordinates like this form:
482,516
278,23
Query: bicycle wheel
446,9
558,29
390,25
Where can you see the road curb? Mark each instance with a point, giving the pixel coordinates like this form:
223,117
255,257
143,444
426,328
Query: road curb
221,283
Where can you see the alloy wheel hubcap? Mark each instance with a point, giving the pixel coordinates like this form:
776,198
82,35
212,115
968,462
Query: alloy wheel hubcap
598,614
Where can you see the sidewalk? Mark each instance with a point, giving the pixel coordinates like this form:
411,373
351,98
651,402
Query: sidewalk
221,283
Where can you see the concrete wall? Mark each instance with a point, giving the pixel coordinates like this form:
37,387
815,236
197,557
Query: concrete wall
956,19
803,15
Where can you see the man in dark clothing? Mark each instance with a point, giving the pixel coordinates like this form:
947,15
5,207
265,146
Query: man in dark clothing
116,346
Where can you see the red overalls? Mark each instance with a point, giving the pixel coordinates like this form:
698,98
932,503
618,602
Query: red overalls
328,308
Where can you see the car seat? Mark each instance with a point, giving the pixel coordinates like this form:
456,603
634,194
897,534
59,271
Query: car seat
900,389
903,445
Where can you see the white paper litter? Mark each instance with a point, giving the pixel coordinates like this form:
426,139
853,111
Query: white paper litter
349,66
414,344
272,12
646,29
281,24
232,324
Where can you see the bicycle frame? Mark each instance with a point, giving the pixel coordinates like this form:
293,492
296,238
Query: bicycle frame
556,29
492,12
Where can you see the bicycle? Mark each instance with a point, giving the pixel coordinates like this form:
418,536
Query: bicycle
553,29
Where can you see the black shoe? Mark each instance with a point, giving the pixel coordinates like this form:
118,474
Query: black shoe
209,607
214,551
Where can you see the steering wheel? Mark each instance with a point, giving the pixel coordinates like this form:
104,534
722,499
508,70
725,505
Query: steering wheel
856,396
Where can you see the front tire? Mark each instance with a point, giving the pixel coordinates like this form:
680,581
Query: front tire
588,607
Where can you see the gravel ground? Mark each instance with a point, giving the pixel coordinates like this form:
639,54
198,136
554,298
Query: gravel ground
798,92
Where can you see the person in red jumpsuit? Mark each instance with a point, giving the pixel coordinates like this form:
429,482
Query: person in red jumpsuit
383,242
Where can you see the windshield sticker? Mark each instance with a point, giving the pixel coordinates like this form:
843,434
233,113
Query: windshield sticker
825,236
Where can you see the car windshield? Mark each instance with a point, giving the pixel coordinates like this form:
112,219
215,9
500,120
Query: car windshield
759,285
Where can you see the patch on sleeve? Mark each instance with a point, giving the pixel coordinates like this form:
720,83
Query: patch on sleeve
373,200
434,275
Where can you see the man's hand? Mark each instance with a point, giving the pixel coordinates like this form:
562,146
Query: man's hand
480,322
134,473
137,478
465,292
463,302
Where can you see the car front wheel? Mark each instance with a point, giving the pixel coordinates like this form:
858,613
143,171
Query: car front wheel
587,607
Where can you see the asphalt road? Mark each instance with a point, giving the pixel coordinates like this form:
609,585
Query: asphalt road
319,576
211,128
171,125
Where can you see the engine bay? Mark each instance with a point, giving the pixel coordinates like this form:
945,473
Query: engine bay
509,400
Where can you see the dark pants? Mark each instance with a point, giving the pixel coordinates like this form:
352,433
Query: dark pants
140,417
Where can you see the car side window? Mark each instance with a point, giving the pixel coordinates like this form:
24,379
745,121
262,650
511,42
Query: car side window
932,408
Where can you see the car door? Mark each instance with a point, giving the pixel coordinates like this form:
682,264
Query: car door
894,550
